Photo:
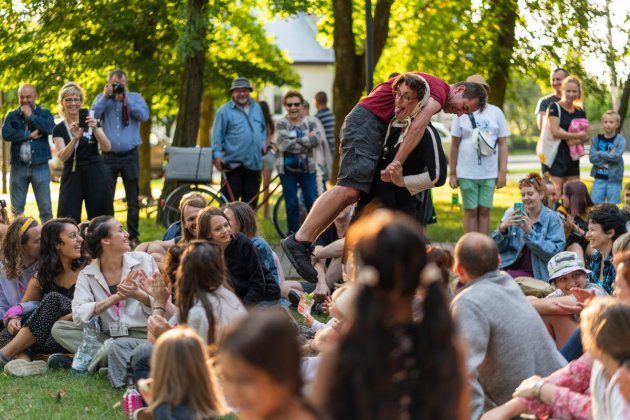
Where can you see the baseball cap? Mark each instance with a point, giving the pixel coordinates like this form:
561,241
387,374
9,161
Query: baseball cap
241,82
564,263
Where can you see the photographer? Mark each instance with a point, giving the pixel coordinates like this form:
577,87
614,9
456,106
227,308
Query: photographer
83,171
121,113
28,128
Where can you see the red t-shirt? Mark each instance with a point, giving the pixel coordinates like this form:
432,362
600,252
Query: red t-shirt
381,100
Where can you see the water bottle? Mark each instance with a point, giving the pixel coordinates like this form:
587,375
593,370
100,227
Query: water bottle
454,200
88,348
132,400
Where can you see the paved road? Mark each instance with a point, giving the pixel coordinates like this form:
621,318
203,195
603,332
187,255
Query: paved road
525,163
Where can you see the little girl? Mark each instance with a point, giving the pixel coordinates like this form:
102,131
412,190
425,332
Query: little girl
259,362
181,385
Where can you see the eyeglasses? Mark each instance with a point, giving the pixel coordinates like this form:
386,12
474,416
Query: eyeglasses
405,97
293,104
71,100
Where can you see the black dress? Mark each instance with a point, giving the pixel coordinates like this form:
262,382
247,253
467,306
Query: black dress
83,180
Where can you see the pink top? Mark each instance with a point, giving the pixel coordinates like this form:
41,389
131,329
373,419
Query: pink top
572,399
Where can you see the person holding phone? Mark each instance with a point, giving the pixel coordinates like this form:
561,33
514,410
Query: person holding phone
530,233
78,139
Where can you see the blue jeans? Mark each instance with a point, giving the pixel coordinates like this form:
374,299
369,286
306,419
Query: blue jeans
290,181
37,175
573,348
605,191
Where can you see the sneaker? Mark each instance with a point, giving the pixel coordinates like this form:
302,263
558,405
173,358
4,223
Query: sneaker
299,253
59,361
294,298
20,367
3,360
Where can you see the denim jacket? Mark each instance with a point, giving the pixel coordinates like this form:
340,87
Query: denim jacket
239,137
17,128
545,240
612,158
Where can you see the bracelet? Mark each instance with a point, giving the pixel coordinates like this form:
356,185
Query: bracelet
537,387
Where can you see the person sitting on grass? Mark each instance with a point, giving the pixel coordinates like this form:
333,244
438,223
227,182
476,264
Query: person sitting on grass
182,386
576,203
109,288
243,219
560,309
204,303
527,239
259,367
245,273
189,207
386,364
19,255
327,255
61,258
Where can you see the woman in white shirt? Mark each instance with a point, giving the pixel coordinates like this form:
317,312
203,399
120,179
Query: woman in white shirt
478,171
109,288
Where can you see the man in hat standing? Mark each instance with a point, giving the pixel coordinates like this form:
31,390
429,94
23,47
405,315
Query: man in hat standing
238,139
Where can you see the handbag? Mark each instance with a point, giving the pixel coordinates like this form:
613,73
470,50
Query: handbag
547,146
481,143
577,150
295,163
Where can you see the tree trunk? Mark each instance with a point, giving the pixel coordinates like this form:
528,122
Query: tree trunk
205,121
505,17
145,159
349,81
623,102
194,58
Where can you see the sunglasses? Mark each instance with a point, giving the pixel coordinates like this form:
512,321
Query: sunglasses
292,104
530,180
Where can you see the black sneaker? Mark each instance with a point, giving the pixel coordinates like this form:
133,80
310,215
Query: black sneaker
294,298
59,361
299,253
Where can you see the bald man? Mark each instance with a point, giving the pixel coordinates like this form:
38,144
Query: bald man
28,128
506,339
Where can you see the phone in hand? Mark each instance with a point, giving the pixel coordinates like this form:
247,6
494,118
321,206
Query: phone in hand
83,114
519,207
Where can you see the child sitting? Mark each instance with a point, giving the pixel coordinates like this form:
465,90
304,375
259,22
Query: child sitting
607,158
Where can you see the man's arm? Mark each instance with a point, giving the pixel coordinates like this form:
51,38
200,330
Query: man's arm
452,161
415,133
10,133
138,108
43,121
503,158
99,105
218,129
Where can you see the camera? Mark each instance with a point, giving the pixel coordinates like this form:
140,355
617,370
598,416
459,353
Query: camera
118,88
3,204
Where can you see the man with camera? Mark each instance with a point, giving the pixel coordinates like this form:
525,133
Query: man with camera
28,128
121,113
238,138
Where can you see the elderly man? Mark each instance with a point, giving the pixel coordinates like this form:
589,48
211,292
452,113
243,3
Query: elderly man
506,339
121,113
28,128
238,138
362,136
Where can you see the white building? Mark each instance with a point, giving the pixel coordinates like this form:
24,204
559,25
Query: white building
314,64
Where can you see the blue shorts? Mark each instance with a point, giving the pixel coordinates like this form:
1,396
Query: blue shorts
605,191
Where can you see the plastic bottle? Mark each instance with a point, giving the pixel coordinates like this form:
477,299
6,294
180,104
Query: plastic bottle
132,400
88,348
455,200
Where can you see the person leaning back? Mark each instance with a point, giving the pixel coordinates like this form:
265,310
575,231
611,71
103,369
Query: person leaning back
121,113
28,128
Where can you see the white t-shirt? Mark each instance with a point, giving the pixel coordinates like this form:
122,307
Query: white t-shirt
493,125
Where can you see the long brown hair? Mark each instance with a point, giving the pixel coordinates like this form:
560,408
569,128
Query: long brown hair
204,228
605,325
182,374
200,271
13,245
246,218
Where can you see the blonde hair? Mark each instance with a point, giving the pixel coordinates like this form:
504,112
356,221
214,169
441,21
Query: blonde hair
605,325
613,114
70,88
182,374
574,79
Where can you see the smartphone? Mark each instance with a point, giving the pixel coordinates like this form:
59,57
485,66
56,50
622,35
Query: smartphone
519,207
83,114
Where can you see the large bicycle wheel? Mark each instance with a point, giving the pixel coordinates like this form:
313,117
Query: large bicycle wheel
280,215
170,209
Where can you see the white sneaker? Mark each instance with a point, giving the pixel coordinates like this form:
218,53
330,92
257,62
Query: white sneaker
21,367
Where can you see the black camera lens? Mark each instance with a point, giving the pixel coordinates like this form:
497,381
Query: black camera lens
118,88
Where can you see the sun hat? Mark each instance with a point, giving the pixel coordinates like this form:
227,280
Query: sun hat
477,78
564,263
241,82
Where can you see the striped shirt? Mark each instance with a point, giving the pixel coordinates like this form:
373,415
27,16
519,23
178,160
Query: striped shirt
328,121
